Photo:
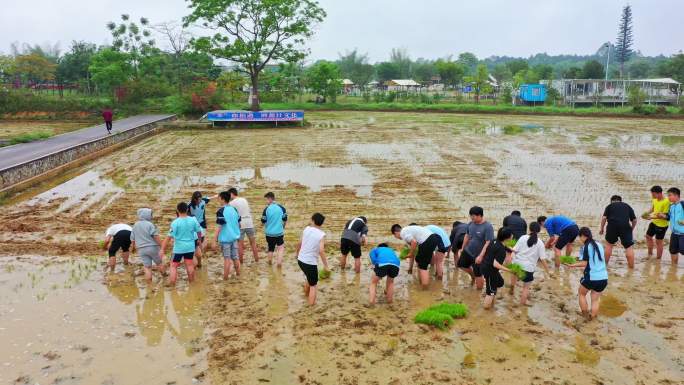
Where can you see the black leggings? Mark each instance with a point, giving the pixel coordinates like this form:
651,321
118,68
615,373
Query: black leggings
108,125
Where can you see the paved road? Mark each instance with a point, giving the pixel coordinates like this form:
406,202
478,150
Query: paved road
20,153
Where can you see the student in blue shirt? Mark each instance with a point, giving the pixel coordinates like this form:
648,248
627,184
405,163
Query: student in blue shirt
385,264
562,233
183,234
274,218
197,208
228,235
595,277
676,217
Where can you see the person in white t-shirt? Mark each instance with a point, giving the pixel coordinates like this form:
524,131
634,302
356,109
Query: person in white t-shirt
246,225
422,244
308,250
528,251
117,237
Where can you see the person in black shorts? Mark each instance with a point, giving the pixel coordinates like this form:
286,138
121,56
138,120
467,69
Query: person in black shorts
353,237
479,235
493,262
385,264
458,232
422,244
621,222
118,237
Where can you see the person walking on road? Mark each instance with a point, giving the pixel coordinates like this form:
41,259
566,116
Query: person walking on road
108,116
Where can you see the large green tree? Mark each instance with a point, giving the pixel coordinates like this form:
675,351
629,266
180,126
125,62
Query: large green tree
673,67
323,78
354,66
133,38
387,71
253,33
450,72
593,70
73,67
479,81
110,68
7,68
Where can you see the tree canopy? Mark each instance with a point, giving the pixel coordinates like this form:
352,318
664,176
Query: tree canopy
253,33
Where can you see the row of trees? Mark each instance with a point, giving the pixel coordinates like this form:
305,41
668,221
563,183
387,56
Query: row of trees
254,34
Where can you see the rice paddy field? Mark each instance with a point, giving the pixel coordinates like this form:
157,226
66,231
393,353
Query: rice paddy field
64,321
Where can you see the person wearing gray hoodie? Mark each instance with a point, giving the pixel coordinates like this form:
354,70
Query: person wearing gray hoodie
145,238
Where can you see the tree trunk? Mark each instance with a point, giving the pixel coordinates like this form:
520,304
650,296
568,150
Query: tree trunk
254,102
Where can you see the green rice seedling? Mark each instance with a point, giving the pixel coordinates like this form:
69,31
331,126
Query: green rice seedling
453,310
324,274
567,259
510,243
516,269
404,253
434,318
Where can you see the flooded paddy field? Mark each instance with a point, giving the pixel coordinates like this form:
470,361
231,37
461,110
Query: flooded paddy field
63,321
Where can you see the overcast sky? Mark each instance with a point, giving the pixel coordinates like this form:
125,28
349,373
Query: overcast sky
426,28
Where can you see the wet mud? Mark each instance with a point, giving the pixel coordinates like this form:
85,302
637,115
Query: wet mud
393,168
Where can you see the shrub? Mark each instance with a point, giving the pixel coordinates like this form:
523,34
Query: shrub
30,137
453,310
434,318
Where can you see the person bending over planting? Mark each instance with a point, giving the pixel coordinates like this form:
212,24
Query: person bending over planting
458,232
117,237
493,262
595,277
478,236
145,238
385,264
516,223
353,237
422,244
528,251
183,235
621,223
309,249
442,249
562,234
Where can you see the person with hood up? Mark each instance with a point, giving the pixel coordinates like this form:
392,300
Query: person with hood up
145,238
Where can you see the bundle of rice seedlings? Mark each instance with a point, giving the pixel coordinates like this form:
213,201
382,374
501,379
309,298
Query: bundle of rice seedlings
567,259
510,243
430,317
454,310
101,244
646,215
404,253
516,269
324,274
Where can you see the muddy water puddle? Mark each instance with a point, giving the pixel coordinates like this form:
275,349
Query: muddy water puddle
393,168
62,321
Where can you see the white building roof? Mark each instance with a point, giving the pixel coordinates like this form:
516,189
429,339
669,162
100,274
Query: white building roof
658,80
405,82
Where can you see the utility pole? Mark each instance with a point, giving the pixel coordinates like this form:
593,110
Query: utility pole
607,45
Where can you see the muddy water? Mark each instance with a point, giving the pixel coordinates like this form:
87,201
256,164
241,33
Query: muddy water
428,168
62,321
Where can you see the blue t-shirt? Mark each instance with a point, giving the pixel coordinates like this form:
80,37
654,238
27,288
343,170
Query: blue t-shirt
274,218
198,211
555,225
596,263
442,234
381,256
228,218
675,215
184,233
